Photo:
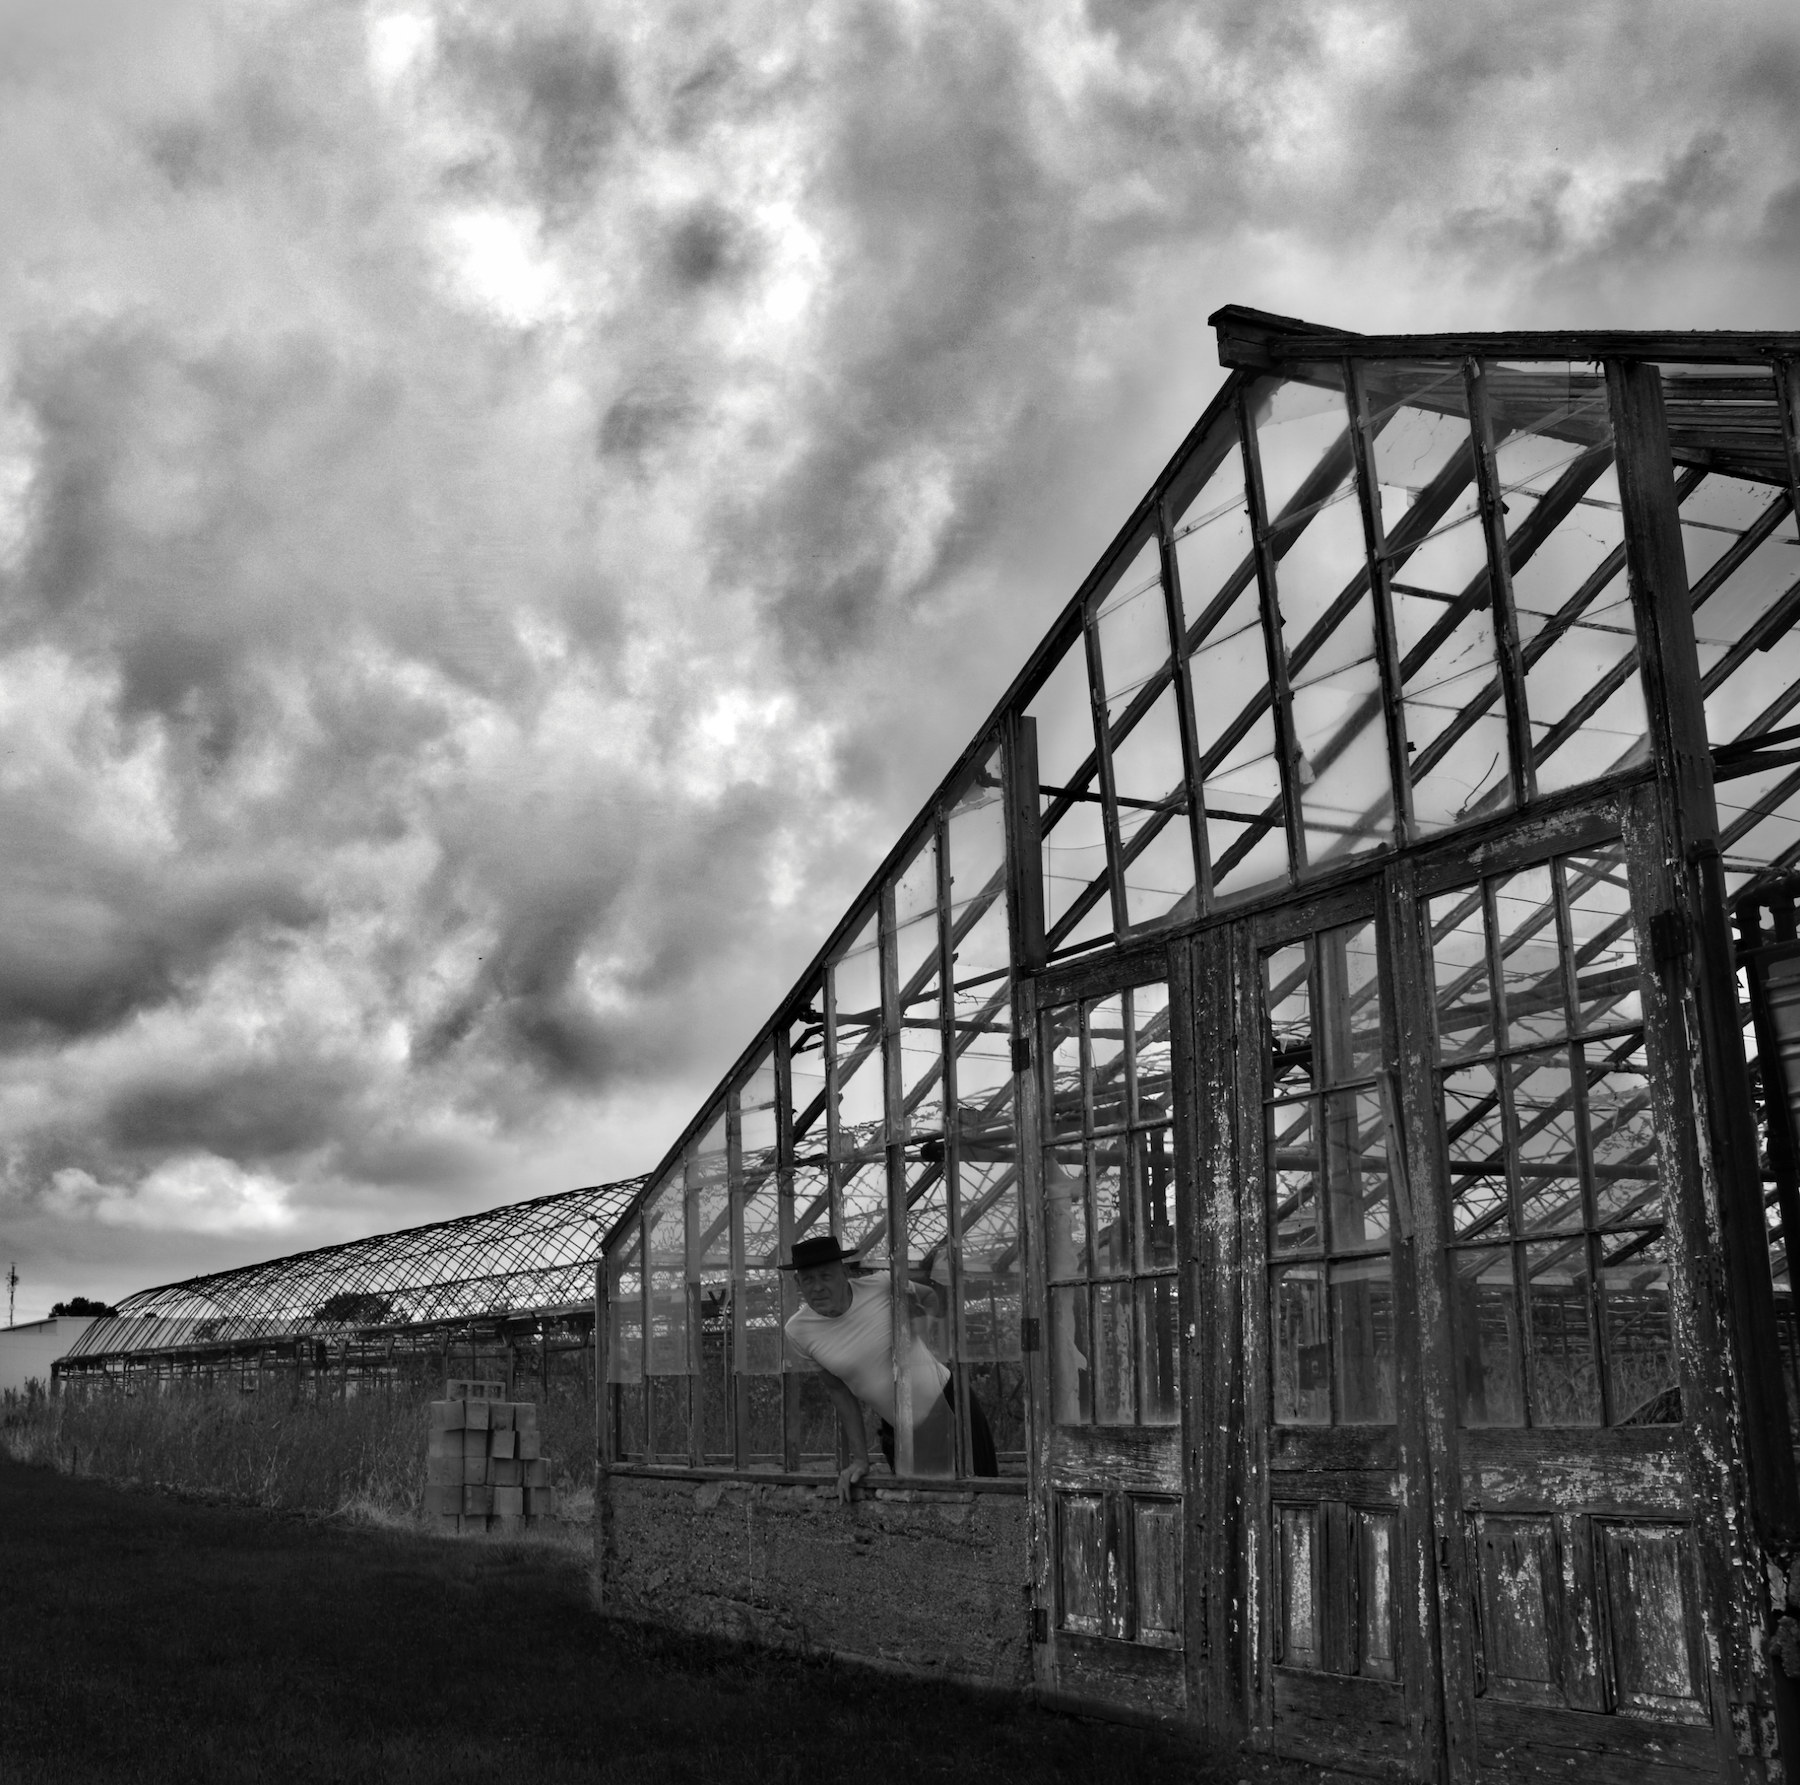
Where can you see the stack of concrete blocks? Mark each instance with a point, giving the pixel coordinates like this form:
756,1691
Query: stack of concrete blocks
483,1468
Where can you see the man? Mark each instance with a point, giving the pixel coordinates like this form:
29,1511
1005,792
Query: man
846,1328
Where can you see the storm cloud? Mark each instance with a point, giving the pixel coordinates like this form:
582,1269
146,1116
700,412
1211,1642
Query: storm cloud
505,511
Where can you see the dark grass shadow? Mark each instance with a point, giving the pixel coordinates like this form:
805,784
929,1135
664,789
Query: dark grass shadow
144,1638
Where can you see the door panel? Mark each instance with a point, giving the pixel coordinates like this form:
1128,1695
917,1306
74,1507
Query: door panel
1326,1315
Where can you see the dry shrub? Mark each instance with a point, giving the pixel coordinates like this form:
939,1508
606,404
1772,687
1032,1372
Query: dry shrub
361,1453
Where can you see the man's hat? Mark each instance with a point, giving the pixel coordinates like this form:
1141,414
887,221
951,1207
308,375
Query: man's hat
824,1250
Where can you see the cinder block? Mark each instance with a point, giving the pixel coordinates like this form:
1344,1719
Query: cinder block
510,1527
503,1443
448,1524
475,1444
444,1443
500,1416
537,1472
442,1498
509,1502
442,1471
446,1416
476,1415
478,1501
525,1416
474,1471
528,1445
506,1472
540,1502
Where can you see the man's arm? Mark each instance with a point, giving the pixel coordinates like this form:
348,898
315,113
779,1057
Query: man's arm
850,1416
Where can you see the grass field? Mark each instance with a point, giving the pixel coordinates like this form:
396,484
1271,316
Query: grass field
144,1638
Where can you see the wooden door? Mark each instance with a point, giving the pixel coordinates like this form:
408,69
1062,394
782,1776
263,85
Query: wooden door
1111,1494
1341,1671
1581,1542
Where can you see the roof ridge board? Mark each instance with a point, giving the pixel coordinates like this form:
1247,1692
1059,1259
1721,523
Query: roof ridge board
1052,641
1281,345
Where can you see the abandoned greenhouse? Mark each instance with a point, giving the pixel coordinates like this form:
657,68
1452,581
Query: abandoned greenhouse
1317,1083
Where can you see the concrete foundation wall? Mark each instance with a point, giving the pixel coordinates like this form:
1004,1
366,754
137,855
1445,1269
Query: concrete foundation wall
933,1583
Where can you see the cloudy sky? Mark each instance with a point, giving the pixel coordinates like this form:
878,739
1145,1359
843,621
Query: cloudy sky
505,510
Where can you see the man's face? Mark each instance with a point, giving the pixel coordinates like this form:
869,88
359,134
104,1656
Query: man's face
825,1288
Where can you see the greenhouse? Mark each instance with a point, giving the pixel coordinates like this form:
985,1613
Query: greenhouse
508,1288
1303,1117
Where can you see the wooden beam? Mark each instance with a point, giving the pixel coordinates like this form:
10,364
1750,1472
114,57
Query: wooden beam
1243,345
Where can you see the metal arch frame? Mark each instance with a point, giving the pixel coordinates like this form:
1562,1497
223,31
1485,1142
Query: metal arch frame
524,1258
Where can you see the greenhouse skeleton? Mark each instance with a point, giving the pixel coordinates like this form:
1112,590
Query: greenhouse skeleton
1319,1076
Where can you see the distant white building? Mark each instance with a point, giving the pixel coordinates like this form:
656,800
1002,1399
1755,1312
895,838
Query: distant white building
29,1350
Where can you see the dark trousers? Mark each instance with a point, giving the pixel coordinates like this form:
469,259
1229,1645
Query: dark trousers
986,1462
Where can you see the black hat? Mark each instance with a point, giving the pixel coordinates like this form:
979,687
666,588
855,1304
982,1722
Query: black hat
808,1254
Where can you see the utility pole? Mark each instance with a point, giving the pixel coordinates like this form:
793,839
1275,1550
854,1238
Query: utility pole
12,1288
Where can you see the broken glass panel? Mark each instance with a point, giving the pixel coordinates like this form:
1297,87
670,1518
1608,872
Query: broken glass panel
1544,1116
757,1118
1435,559
1327,622
806,1075
1622,1139
1293,1152
1565,548
1480,1207
1287,984
1104,1025
1531,963
1356,1171
1152,1098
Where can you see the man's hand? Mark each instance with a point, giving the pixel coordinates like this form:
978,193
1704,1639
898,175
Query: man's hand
848,1478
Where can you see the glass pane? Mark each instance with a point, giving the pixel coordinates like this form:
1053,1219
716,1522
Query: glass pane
856,1005
1565,539
862,1212
760,1341
1602,939
1565,1379
1062,1047
1150,1053
1622,1140
928,1257
1300,1354
1071,1373
806,1075
984,1075
1465,1023
669,1323
1133,628
1114,1399
1213,554
1641,1381
922,1066
812,1201
1287,990
1436,560
708,1175
1544,1122
1106,1062
1150,782
1293,1169
1356,1171
1072,837
1350,1003
714,1385
630,1434
1154,1180
1159,1360
1488,1348
1106,1190
625,1315
1362,1340
1077,905
1530,958
990,1267
977,843
1065,1211
757,1117
1479,1205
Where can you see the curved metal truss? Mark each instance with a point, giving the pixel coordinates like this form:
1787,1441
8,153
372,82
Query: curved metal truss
524,1258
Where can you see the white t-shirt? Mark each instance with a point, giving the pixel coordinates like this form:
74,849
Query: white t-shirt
857,1347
